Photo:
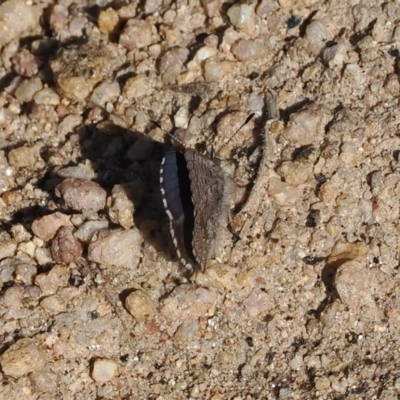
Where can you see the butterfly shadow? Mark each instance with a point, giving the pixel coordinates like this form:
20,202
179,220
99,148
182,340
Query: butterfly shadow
131,160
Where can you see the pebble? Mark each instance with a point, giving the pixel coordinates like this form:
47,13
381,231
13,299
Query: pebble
322,383
211,7
355,284
24,156
248,50
88,229
215,70
47,96
343,251
43,256
65,248
54,304
104,370
17,19
136,34
243,18
26,64
283,193
22,358
265,7
141,149
139,305
171,63
119,248
188,303
77,70
151,6
201,55
19,233
68,124
108,21
258,302
46,227
82,195
7,245
316,35
307,126
121,203
27,89
25,270
181,118
49,282
106,92
44,381
335,55
187,334
137,87
80,171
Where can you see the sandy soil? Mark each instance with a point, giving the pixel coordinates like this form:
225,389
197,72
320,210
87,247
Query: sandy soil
301,297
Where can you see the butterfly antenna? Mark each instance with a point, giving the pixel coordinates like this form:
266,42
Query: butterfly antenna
248,119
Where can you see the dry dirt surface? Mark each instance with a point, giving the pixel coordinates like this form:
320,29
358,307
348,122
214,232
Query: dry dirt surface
298,102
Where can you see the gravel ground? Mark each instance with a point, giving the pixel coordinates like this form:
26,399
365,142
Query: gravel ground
302,302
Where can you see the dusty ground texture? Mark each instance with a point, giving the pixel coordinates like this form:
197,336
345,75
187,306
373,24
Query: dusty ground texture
302,302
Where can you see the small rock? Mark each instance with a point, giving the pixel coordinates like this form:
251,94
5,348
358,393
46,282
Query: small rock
248,50
88,229
283,193
343,252
24,156
150,6
121,203
137,87
7,245
119,248
211,7
139,305
65,248
104,370
17,19
46,227
68,124
316,35
77,70
26,64
22,358
53,304
243,18
187,303
136,34
82,195
27,89
322,383
49,283
83,172
355,284
106,92
25,273
43,256
20,234
215,71
187,333
202,54
44,381
108,21
307,126
258,302
47,97
266,7
171,63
